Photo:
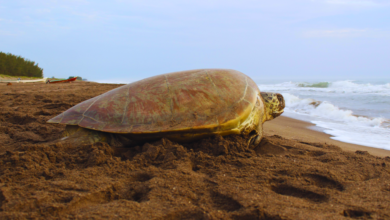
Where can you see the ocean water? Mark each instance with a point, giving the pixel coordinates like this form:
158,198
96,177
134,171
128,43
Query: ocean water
351,111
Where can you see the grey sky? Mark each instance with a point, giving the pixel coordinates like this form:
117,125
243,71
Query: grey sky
130,40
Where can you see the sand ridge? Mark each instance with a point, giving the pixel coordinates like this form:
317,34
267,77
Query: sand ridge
288,176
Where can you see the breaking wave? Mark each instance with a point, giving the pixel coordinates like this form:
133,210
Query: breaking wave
345,86
343,124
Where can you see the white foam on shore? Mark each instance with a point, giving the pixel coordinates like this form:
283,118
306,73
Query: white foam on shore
374,137
342,124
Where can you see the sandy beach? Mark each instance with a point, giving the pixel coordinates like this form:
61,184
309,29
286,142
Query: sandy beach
295,173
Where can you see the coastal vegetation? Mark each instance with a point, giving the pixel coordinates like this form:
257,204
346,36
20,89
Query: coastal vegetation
17,66
315,85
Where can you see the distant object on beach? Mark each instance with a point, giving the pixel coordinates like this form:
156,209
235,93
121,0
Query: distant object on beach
20,79
62,81
181,106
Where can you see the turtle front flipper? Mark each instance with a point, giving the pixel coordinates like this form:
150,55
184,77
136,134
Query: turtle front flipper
256,138
254,141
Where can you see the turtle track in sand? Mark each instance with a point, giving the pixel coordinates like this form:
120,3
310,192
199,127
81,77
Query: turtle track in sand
214,178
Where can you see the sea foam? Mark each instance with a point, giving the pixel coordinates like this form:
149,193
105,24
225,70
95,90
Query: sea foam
350,111
324,109
342,124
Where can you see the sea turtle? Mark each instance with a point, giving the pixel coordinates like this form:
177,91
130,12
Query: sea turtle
180,106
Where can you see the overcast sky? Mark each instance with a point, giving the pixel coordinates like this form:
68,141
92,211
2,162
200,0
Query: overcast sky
133,39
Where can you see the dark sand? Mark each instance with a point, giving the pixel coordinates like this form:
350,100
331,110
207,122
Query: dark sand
295,173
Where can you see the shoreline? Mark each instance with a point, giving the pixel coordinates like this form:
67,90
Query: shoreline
291,128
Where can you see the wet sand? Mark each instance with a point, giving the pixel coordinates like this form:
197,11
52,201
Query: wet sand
295,172
300,130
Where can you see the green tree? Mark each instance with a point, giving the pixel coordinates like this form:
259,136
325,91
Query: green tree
18,66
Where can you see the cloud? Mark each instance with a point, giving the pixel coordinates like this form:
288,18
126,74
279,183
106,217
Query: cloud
150,17
76,12
346,33
358,2
10,34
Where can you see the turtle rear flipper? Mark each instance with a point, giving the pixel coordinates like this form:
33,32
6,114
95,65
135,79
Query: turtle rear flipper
76,135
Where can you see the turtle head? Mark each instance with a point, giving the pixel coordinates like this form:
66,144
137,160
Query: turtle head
274,104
